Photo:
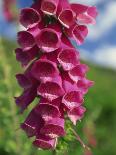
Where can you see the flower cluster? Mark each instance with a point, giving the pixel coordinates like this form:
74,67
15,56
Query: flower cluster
53,69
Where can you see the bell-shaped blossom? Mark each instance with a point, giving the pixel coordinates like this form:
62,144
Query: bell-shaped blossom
68,58
45,142
32,124
50,90
44,70
72,99
54,128
29,16
66,16
47,111
48,40
76,114
49,7
24,56
78,72
85,14
25,40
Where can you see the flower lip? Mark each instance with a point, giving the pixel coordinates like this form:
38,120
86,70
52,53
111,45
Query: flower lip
25,39
79,33
49,6
48,40
72,99
78,72
67,18
76,114
44,142
50,90
29,16
47,111
54,128
44,70
68,58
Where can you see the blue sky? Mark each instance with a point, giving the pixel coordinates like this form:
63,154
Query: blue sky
100,45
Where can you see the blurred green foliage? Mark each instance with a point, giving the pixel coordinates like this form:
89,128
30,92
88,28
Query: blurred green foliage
100,103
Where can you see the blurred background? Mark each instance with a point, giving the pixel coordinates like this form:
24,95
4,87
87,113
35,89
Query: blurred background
98,128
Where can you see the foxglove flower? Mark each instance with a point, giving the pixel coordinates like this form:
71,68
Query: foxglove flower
53,71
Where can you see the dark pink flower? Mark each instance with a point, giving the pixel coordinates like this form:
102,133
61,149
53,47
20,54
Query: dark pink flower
45,142
68,58
78,72
72,99
25,40
44,70
66,16
29,16
32,124
54,128
48,40
49,7
76,114
50,90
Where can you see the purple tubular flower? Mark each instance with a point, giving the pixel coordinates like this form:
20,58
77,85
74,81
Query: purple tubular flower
50,90
85,14
29,16
25,40
26,55
66,16
78,72
47,111
23,81
72,99
76,114
26,98
53,71
68,58
32,124
49,7
48,40
44,142
44,70
54,128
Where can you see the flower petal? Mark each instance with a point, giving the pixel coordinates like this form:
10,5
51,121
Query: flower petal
32,124
47,111
50,90
44,70
48,40
26,98
67,17
84,84
76,114
54,128
72,99
23,81
68,58
79,33
49,7
25,39
77,72
44,142
29,16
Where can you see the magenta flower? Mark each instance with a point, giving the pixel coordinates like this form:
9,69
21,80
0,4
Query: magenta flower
53,71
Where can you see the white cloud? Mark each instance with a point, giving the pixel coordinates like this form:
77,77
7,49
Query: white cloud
90,2
106,20
105,56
